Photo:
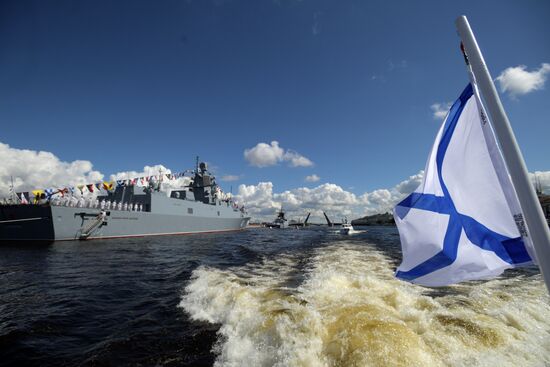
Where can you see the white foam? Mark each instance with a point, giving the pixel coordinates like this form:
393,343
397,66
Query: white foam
350,310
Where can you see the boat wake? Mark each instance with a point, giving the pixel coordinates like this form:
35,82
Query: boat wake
350,232
343,307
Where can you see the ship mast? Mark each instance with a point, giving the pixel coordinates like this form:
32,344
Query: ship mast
160,179
12,192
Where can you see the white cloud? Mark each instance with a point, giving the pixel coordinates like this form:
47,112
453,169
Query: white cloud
407,186
312,178
542,179
297,160
383,200
440,110
258,199
147,171
155,170
265,155
517,80
229,178
33,170
262,203
38,170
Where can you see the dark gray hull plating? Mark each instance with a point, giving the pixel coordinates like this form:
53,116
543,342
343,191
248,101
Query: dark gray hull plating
26,222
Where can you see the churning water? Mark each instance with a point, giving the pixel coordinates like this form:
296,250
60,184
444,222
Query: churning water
261,297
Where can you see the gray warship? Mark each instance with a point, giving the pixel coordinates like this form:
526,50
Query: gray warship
195,208
279,222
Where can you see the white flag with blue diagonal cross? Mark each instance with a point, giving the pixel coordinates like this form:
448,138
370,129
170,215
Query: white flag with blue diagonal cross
464,221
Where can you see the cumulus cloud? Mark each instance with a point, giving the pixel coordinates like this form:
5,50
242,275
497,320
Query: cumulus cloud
517,80
383,200
541,180
258,199
312,178
147,171
262,202
440,110
265,155
38,170
297,160
33,169
155,170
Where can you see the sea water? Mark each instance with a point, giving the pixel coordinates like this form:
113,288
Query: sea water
260,297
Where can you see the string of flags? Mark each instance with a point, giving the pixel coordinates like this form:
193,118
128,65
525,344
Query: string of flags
110,186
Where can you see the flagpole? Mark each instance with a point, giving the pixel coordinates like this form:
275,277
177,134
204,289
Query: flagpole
534,218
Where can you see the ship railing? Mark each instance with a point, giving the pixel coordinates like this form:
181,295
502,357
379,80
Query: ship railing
130,207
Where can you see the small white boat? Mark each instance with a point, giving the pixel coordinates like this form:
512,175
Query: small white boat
346,228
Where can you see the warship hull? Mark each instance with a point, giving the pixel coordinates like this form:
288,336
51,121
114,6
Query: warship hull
125,212
169,217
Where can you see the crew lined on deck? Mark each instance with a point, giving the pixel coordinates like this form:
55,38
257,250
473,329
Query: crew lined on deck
95,203
66,196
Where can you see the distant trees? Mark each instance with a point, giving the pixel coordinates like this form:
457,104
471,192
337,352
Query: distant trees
385,219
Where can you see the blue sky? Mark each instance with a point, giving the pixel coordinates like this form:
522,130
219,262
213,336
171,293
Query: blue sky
347,84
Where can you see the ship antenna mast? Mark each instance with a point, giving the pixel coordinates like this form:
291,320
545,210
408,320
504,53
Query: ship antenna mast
12,192
160,178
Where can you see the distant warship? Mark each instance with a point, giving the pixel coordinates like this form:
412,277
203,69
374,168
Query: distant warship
127,212
279,222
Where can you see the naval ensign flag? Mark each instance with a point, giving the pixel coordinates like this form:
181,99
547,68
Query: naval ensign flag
464,221
476,212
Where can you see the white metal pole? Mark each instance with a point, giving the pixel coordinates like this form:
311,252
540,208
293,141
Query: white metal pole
534,218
